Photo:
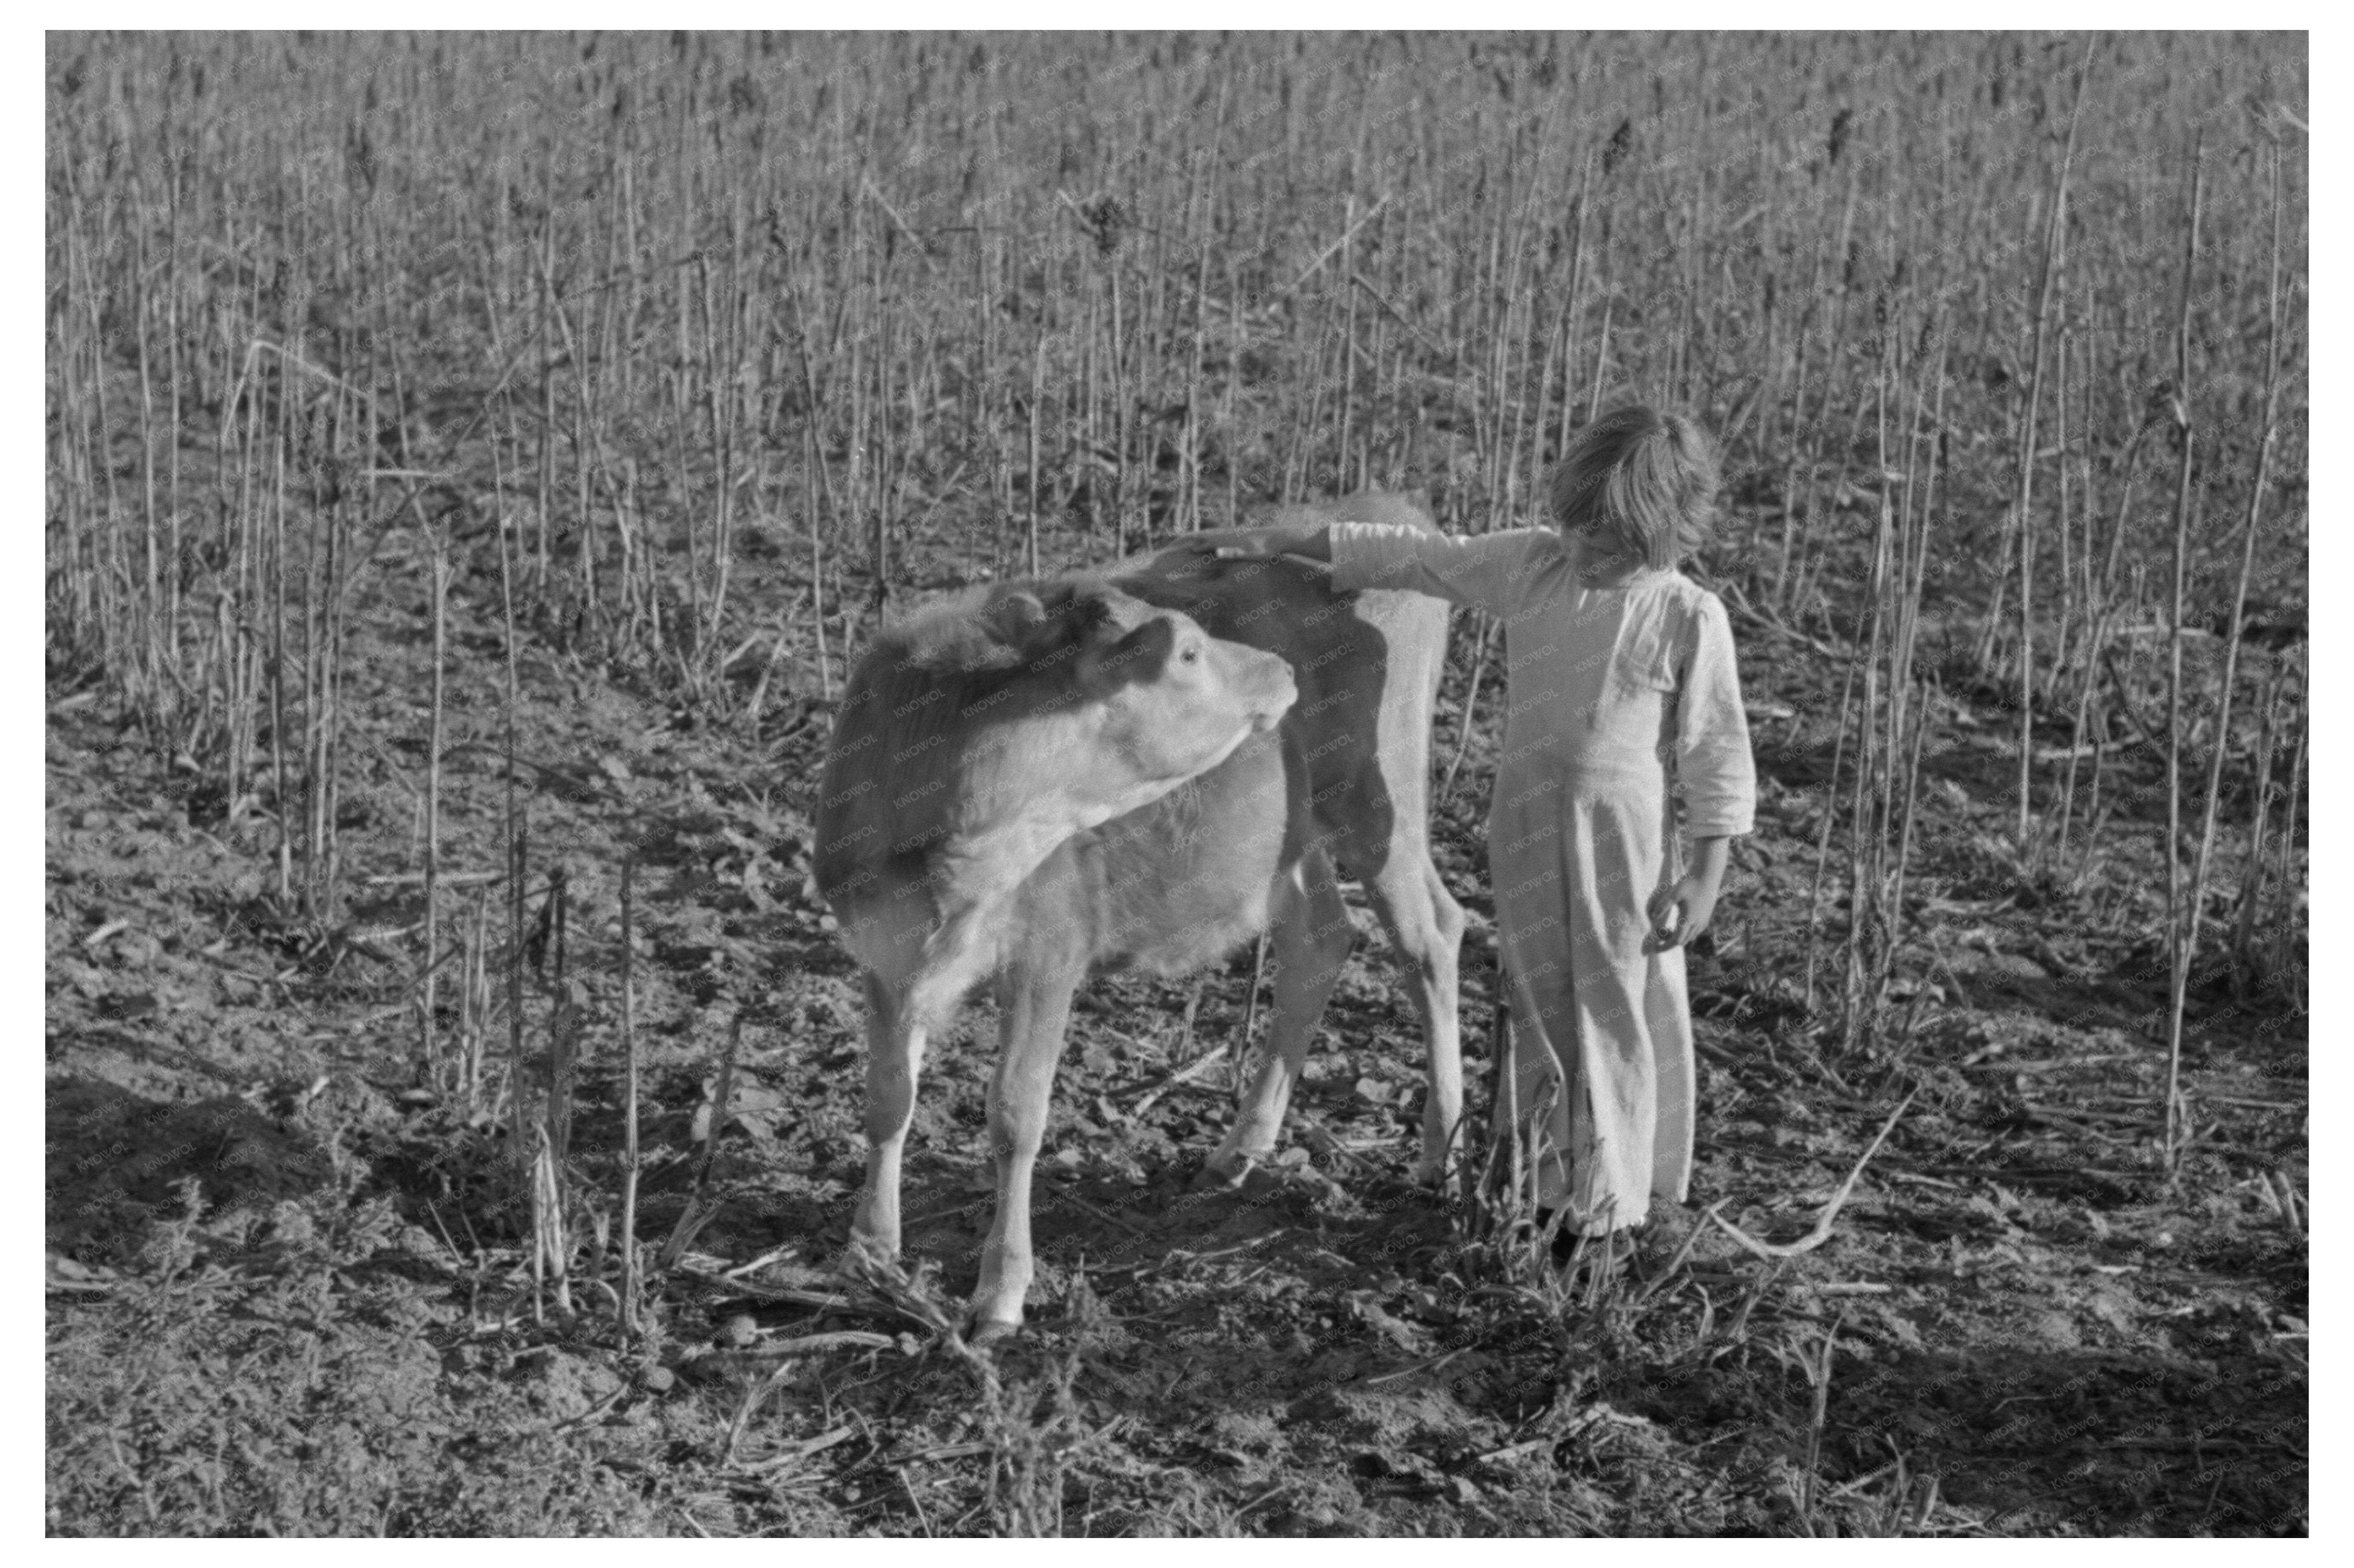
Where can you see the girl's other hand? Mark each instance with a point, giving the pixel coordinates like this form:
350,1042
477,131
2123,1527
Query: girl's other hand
1681,911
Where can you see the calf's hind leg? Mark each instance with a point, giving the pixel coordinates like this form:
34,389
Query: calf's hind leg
1423,918
1310,937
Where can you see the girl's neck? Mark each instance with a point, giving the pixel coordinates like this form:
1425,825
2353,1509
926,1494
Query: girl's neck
1605,560
1621,575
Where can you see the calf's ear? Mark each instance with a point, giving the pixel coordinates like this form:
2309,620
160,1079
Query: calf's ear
1012,618
1136,658
1034,628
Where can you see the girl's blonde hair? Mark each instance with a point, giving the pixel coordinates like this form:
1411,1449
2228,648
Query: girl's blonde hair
1649,476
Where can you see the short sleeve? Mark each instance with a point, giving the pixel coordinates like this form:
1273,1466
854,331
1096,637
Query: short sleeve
1715,773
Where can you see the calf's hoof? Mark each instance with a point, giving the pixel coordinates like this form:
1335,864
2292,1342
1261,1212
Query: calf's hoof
988,1331
869,1261
1224,1173
1428,1173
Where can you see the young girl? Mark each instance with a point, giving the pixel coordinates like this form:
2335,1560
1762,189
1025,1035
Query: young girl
1621,696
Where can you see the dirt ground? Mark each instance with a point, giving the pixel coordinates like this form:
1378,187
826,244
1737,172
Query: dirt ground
288,1289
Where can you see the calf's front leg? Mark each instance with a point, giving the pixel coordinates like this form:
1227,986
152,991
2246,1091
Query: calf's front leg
894,1055
1036,1010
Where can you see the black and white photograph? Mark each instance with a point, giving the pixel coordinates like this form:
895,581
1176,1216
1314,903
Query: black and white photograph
1009,783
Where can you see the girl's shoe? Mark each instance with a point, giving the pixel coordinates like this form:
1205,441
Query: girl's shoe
1608,1252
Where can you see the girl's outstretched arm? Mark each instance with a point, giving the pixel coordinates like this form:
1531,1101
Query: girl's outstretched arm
1487,571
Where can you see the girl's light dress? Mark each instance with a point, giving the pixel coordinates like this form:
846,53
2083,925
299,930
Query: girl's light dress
1620,702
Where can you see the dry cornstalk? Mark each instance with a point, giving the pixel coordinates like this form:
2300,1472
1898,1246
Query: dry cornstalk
1822,1231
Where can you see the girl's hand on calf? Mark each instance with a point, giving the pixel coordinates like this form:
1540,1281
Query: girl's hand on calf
1227,544
1252,544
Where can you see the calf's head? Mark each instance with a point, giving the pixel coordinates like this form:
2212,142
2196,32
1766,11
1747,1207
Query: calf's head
1174,702
1038,712
1130,702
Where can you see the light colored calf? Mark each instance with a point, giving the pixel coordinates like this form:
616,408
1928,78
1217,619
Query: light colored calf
1049,778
